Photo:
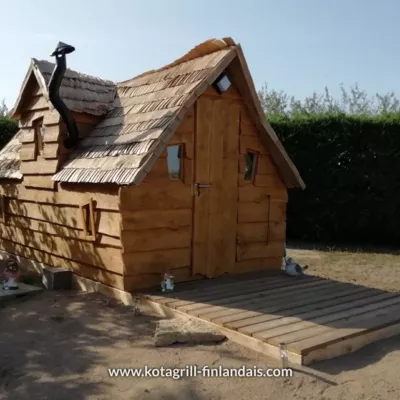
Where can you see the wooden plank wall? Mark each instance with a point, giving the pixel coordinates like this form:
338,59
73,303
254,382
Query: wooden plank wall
45,226
43,220
157,219
262,206
38,171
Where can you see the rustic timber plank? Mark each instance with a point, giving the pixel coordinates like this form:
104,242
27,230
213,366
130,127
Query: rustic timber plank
107,222
81,251
360,325
156,261
27,152
40,182
341,293
251,143
223,192
280,299
247,251
89,271
39,167
237,289
218,289
340,320
268,180
350,344
59,230
249,342
252,194
156,239
151,219
106,197
201,220
245,295
317,317
156,195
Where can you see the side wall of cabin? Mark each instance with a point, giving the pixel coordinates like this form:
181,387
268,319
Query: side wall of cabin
157,215
42,220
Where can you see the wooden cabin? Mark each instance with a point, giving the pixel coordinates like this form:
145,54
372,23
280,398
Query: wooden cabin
175,170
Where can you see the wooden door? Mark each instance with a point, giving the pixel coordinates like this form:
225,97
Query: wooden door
216,173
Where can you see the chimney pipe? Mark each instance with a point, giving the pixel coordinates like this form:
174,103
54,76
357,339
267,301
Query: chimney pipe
57,76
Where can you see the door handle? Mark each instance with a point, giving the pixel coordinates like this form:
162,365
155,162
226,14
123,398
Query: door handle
198,186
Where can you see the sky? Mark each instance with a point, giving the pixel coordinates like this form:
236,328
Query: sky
298,46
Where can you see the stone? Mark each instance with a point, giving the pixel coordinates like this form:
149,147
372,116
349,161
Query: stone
185,330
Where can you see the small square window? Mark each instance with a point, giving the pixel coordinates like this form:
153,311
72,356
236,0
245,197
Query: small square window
87,218
175,161
222,84
250,164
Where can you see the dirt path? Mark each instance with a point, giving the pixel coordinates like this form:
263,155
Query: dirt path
59,346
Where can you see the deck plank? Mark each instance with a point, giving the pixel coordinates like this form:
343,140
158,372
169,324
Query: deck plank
193,308
194,294
244,290
280,300
366,323
319,316
309,329
342,295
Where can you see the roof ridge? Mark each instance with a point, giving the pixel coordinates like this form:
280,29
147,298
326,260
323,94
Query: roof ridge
79,75
203,49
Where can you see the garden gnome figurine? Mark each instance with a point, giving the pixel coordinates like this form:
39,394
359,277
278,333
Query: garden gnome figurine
11,272
167,284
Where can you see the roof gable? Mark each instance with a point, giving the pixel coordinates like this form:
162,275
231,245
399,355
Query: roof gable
80,92
148,109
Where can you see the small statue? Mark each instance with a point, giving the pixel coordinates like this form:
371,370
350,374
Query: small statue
11,272
136,309
167,284
291,268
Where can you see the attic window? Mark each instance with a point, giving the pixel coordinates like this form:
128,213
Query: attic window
38,132
222,84
250,165
87,219
175,161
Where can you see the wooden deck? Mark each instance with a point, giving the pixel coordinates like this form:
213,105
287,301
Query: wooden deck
316,318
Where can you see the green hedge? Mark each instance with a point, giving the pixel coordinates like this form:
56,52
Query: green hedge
351,166
8,128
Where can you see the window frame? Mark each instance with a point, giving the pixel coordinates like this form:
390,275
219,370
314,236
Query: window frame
38,128
3,205
254,166
87,209
181,151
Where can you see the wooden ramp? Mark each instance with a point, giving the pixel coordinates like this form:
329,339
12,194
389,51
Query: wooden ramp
317,318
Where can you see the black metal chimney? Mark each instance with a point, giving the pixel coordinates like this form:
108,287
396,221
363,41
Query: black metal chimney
57,76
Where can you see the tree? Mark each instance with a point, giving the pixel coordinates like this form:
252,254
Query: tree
3,109
8,126
353,101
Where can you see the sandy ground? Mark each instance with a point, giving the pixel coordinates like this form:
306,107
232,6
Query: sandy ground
59,345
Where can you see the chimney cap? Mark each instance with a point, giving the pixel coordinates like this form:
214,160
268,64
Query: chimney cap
62,49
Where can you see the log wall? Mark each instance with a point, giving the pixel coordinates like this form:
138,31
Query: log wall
46,226
43,219
261,206
157,219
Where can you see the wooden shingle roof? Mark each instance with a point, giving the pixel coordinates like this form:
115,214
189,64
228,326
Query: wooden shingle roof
142,114
80,92
9,159
145,114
